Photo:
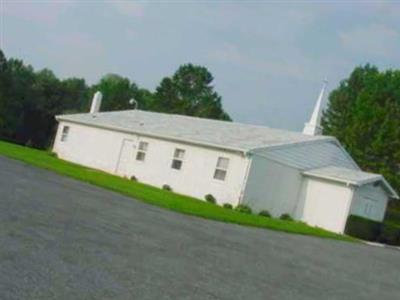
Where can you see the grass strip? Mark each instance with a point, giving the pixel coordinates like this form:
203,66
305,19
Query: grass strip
155,196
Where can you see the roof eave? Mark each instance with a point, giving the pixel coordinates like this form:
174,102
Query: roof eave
290,144
389,187
332,178
390,190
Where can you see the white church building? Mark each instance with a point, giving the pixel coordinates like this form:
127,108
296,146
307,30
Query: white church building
306,175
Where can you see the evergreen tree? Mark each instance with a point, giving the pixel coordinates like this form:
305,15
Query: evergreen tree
189,92
364,114
29,100
4,89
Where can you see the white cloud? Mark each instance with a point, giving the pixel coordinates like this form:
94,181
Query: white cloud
229,53
375,39
273,63
84,57
42,12
129,7
79,42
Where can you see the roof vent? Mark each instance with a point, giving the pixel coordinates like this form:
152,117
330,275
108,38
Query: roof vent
133,102
96,103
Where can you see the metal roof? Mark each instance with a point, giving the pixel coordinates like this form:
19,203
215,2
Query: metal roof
214,133
311,155
349,176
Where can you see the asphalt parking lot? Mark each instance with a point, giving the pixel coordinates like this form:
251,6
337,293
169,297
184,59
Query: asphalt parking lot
63,239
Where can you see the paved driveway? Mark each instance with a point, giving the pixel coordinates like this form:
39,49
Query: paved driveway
63,239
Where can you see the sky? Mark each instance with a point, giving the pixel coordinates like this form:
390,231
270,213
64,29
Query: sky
268,58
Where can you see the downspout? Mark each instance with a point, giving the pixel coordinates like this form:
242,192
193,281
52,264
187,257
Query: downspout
353,189
246,176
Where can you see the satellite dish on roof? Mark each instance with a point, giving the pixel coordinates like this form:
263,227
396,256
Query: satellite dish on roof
132,101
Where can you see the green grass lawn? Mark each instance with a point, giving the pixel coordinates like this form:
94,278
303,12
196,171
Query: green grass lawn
156,196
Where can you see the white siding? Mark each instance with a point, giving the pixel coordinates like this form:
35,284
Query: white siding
102,149
370,202
272,186
89,146
325,204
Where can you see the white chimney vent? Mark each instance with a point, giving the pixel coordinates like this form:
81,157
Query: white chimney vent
96,103
132,101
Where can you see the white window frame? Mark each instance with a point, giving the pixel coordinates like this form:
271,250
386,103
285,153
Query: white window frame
142,151
64,133
178,158
221,169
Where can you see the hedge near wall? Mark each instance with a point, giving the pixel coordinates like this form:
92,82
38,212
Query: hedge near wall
390,234
365,229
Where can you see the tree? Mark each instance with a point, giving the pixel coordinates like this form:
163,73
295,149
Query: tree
364,114
30,100
4,88
76,97
189,92
19,99
117,91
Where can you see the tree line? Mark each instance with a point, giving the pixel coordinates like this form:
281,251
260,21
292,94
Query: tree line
30,99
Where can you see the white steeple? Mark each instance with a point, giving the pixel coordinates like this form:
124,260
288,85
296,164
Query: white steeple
313,127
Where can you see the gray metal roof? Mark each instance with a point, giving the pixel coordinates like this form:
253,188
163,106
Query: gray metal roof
306,156
356,177
349,176
221,134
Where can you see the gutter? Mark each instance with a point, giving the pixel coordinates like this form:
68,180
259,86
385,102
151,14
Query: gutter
356,183
246,177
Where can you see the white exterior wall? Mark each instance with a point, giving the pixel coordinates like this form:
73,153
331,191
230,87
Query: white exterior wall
89,146
325,204
101,149
272,186
370,202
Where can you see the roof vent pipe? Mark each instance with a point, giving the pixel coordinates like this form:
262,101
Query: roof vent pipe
133,102
96,103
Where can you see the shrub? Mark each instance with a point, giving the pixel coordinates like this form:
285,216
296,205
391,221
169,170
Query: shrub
393,215
286,217
53,154
227,205
243,209
210,198
133,178
264,213
167,187
363,228
390,234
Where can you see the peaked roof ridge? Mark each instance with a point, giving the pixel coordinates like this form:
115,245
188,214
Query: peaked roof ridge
196,118
217,133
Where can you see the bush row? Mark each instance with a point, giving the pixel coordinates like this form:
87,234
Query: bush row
240,208
245,209
365,229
